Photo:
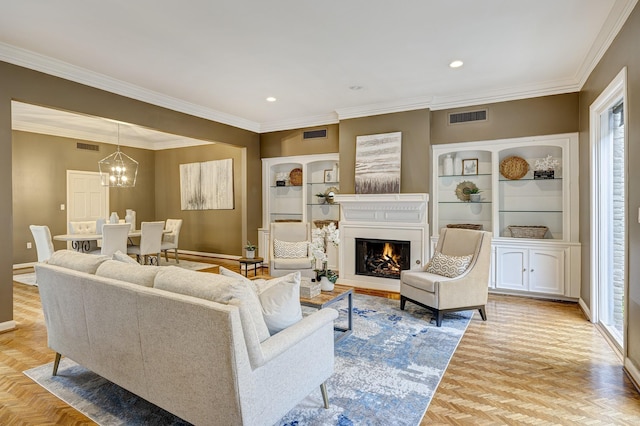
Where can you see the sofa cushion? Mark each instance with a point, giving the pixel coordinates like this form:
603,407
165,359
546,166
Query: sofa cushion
422,280
290,250
280,300
131,273
448,266
77,261
123,257
214,287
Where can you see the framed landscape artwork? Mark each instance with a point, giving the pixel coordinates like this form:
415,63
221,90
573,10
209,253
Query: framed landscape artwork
378,163
207,186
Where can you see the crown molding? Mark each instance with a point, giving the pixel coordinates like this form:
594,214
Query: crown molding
384,108
300,123
617,17
37,62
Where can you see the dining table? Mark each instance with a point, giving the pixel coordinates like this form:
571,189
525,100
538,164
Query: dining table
82,242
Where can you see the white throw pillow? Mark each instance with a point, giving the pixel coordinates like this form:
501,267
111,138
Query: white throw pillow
280,299
290,250
448,266
123,257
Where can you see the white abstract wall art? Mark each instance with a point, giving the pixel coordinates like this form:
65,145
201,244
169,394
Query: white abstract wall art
207,186
378,163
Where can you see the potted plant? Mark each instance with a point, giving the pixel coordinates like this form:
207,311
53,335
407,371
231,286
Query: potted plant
474,195
319,240
250,249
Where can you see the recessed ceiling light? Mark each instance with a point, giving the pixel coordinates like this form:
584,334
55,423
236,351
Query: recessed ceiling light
456,64
355,87
271,99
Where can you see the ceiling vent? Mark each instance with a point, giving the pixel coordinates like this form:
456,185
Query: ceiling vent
315,134
468,116
88,146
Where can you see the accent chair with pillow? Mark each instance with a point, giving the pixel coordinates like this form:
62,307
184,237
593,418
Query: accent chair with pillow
455,279
289,249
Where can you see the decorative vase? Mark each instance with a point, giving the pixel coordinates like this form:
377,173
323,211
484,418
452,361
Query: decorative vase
447,165
251,254
114,218
325,284
475,198
457,165
321,200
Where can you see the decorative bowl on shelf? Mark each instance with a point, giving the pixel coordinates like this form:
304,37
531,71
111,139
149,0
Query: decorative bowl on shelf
532,231
465,189
514,167
295,176
474,226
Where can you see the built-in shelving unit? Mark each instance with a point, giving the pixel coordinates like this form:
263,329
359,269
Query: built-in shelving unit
541,266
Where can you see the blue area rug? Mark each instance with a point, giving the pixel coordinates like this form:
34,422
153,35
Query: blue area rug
386,373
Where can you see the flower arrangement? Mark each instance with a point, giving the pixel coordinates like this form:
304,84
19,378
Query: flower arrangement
320,237
546,164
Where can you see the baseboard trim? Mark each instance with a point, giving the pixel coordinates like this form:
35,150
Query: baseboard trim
632,372
585,309
7,326
24,265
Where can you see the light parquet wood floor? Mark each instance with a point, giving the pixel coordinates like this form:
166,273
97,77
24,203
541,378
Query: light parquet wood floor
534,362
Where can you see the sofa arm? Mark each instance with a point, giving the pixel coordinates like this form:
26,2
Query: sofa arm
289,337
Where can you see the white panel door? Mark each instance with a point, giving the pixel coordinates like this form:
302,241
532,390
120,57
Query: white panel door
87,199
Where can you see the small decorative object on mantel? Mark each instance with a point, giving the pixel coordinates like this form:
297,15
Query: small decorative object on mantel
545,168
532,231
514,168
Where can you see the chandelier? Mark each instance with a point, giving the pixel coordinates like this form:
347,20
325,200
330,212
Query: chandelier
118,169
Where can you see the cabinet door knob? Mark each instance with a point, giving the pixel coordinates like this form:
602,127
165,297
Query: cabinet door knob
524,270
532,270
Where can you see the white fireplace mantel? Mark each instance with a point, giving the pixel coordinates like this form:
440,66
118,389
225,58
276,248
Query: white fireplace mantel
382,216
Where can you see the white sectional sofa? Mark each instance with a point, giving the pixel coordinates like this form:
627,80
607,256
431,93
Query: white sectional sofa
207,362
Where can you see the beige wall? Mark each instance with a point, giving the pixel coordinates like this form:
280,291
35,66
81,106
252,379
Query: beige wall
414,125
40,164
288,143
30,86
210,231
623,52
545,115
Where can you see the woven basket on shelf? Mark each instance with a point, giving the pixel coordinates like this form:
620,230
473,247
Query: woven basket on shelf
322,223
465,226
527,231
514,167
295,177
287,220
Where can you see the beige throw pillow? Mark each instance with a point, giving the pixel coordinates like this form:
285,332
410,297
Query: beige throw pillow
290,250
448,266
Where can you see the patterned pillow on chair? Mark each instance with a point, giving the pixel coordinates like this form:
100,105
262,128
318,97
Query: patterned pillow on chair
448,266
289,250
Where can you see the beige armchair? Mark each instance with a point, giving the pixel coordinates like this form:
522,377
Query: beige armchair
284,261
467,291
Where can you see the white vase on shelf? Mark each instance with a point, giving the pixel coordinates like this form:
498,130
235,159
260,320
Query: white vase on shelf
447,165
457,165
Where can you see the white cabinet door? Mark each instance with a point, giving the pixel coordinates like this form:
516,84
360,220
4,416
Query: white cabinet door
512,268
546,271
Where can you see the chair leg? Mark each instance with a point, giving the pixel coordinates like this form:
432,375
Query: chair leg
483,313
56,364
166,256
325,396
439,315
176,253
403,300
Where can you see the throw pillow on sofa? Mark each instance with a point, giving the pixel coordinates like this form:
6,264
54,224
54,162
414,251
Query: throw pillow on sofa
280,300
214,287
290,250
123,257
77,261
132,273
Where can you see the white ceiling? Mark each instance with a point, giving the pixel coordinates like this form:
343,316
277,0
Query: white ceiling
221,59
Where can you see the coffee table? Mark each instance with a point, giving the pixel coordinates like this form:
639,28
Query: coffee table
327,298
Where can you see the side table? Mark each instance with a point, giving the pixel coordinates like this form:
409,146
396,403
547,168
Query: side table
255,261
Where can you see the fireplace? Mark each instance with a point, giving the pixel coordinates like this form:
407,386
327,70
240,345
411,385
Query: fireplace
382,258
377,219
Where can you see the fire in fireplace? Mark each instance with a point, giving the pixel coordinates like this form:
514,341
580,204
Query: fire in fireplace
382,258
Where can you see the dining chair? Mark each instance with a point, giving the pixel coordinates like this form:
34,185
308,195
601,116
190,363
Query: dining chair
150,242
44,244
114,238
170,238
